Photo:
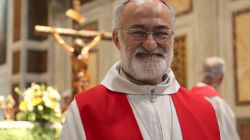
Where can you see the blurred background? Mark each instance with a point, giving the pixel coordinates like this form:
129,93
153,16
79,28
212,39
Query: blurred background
204,28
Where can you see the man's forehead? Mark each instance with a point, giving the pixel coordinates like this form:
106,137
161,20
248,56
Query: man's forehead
143,4
127,1
145,12
141,26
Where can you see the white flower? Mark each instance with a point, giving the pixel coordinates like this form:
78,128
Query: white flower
54,93
28,92
30,107
46,100
57,110
28,98
40,107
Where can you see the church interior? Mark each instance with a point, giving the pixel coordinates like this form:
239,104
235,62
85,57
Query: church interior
29,54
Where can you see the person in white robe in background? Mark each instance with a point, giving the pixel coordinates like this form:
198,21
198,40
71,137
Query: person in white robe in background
212,77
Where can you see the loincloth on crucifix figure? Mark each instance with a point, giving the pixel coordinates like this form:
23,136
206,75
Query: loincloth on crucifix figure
79,53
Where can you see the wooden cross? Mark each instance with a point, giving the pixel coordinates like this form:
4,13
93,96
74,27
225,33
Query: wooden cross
79,50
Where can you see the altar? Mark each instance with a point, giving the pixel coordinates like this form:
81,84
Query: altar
24,130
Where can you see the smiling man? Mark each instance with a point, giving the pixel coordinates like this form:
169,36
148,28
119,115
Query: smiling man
139,98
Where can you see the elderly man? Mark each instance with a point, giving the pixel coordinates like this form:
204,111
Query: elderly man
139,97
212,77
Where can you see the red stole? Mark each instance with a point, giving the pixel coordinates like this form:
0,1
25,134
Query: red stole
107,115
205,91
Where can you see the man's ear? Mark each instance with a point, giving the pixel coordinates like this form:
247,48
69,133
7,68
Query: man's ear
220,79
116,39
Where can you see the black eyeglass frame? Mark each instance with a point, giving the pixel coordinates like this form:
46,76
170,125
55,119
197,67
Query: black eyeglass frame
141,34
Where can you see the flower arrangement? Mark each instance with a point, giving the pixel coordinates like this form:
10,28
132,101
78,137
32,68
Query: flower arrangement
40,104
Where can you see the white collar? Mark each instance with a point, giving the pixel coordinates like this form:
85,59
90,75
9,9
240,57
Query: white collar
114,81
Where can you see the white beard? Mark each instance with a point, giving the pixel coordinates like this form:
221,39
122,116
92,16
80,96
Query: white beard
145,68
148,68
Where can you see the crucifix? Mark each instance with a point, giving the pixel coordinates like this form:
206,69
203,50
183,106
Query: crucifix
79,50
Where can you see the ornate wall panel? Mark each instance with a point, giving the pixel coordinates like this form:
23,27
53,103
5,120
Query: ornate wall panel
16,62
244,128
85,1
82,2
3,31
38,15
37,61
181,6
17,20
241,29
179,62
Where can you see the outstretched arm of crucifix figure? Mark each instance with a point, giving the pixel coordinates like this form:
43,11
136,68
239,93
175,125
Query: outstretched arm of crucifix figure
85,50
69,50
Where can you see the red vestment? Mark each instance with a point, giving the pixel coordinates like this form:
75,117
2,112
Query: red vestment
205,91
108,115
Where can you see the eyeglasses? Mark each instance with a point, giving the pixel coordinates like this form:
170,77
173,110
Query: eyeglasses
161,35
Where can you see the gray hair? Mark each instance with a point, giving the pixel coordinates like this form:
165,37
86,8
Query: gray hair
213,68
117,18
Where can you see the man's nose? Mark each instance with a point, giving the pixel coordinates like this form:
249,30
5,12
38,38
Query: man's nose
149,43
